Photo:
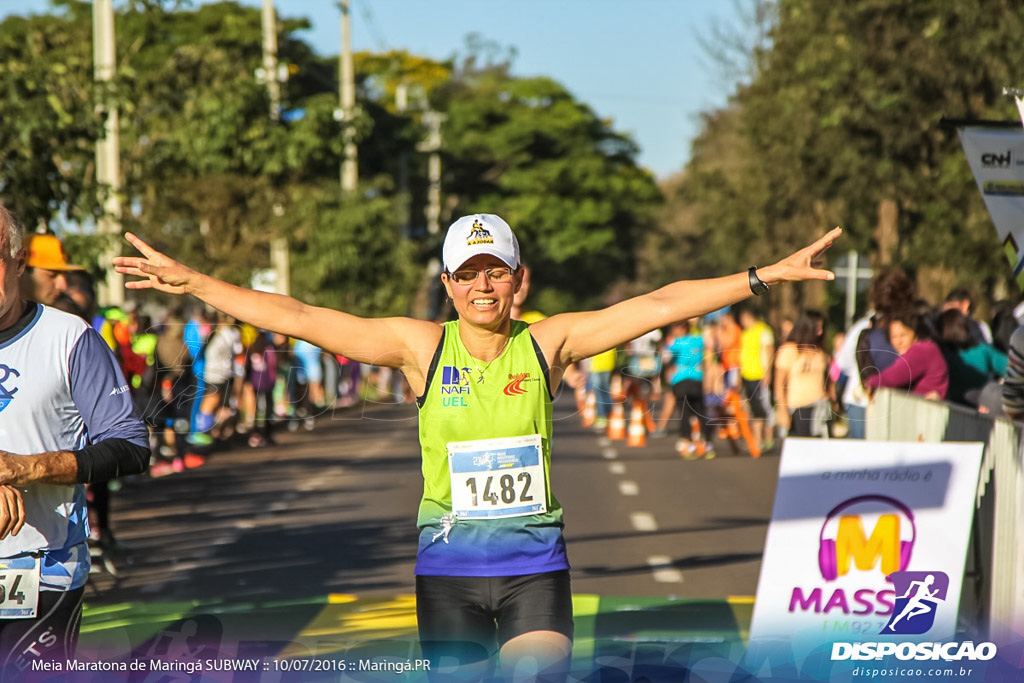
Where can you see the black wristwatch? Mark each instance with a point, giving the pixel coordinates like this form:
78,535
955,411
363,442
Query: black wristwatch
757,285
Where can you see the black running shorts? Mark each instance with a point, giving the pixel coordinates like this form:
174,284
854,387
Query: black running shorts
51,636
469,618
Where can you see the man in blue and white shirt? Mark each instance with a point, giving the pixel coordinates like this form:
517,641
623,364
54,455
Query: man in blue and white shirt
66,419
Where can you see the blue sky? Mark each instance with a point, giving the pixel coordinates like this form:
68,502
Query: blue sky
635,62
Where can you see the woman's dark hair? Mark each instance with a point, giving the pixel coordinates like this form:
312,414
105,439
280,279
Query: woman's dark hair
954,330
890,291
1003,324
808,330
259,344
919,317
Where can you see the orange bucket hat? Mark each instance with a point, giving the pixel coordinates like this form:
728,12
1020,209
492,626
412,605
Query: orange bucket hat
47,252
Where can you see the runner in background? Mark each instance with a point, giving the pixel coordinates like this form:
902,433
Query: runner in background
68,420
689,359
642,372
757,352
599,378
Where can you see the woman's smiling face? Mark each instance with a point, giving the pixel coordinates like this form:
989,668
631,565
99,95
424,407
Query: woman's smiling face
487,297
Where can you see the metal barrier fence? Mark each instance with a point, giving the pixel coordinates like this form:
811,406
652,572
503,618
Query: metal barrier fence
992,602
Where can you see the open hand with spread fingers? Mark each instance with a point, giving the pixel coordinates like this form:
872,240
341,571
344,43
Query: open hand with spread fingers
804,264
159,271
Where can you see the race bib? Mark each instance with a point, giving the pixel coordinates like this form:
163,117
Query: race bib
493,478
19,587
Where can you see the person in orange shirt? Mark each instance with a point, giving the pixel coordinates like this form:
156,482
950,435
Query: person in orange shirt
730,336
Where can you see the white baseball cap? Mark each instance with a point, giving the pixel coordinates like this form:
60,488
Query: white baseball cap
480,233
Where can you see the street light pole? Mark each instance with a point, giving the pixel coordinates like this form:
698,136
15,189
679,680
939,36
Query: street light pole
432,145
279,251
347,103
270,59
108,154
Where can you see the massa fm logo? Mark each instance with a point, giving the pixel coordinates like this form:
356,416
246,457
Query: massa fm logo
844,539
479,235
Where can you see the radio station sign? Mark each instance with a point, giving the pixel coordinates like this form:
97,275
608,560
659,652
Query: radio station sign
867,543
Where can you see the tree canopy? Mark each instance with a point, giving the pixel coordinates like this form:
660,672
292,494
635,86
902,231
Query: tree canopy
840,124
836,121
213,178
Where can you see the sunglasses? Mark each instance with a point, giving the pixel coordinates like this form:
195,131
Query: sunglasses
466,276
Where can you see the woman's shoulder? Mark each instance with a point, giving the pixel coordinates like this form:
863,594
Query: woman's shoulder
786,352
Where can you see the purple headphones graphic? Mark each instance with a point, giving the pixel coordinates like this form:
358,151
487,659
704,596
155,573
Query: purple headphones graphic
827,546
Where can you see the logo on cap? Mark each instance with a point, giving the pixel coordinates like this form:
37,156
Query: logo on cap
479,235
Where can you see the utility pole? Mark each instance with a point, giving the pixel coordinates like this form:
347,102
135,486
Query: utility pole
347,104
402,105
432,145
279,245
270,59
108,153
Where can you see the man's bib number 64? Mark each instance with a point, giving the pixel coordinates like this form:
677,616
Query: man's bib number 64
494,478
19,587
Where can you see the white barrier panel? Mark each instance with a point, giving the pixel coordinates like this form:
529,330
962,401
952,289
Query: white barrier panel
995,606
867,542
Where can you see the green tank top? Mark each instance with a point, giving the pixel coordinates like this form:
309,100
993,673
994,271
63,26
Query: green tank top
506,521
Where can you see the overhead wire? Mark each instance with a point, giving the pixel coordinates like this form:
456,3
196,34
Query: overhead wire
371,24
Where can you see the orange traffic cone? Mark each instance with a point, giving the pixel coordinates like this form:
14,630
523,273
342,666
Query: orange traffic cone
617,423
615,388
696,438
636,435
648,416
589,409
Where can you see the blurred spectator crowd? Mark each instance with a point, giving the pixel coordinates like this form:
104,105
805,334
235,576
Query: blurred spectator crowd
733,377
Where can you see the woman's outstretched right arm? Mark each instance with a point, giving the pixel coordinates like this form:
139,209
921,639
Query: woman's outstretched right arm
392,342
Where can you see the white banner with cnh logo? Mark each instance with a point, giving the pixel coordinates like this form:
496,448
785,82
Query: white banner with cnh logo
867,542
996,156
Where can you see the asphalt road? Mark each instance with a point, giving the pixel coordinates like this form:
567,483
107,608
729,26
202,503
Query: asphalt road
332,511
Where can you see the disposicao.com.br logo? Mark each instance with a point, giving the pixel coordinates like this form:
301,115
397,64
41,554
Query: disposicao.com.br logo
947,652
919,596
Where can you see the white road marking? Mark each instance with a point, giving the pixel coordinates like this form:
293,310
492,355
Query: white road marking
664,572
643,521
609,453
628,488
617,468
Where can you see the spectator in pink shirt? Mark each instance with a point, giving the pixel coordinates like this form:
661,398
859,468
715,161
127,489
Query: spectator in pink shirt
921,367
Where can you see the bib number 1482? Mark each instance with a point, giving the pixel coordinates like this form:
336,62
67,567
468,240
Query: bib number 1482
493,478
506,488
